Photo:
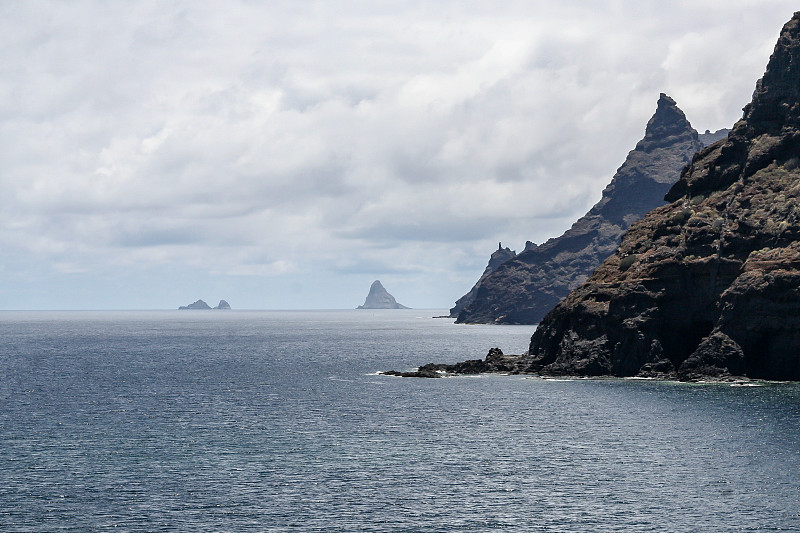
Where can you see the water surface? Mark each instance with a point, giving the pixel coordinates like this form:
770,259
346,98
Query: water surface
276,421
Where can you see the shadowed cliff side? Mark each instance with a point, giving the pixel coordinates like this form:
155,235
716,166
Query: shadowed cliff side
708,285
523,289
500,256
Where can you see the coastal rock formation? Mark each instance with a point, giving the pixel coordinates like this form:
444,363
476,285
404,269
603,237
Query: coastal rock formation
199,304
500,256
379,298
708,285
524,288
494,362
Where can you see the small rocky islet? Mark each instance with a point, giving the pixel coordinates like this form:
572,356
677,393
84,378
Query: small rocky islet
706,287
201,305
379,298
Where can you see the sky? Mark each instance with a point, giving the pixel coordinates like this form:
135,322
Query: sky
285,154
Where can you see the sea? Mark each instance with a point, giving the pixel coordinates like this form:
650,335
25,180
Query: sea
279,421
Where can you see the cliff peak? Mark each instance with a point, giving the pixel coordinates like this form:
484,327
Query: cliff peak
776,99
768,132
668,120
524,287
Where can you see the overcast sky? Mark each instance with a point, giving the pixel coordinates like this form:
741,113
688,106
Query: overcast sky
285,154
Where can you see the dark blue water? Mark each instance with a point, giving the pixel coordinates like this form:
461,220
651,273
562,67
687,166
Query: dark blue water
269,421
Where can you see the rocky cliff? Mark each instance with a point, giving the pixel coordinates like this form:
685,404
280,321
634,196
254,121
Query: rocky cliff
500,256
523,289
379,298
709,284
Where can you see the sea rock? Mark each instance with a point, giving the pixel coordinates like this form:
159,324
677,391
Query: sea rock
500,256
223,305
199,304
494,362
708,285
379,298
524,288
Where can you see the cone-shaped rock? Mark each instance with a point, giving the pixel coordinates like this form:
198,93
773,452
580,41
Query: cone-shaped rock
524,288
379,298
709,284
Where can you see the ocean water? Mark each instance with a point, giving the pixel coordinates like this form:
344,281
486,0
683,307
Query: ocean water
277,421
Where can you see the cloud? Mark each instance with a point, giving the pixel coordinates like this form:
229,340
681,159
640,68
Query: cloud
333,139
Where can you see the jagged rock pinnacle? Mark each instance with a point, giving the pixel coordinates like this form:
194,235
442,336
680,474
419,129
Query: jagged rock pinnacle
525,287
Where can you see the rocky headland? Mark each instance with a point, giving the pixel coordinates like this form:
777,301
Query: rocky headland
379,298
708,285
500,256
523,288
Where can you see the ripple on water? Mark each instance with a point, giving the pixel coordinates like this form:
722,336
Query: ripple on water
275,422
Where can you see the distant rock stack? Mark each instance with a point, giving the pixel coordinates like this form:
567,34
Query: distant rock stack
524,288
223,305
379,298
500,256
708,285
200,304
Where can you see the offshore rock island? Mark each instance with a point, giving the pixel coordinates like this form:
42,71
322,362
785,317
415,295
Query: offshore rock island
707,286
379,298
201,305
524,287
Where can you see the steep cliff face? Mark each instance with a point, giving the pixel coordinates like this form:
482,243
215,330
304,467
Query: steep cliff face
500,256
523,289
709,284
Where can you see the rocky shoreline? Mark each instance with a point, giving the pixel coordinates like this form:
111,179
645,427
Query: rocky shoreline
496,362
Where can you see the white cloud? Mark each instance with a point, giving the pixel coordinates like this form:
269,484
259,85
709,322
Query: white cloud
339,141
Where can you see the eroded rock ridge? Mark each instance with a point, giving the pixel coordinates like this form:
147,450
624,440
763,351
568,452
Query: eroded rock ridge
524,288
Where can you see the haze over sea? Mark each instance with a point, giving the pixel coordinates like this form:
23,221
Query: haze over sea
277,421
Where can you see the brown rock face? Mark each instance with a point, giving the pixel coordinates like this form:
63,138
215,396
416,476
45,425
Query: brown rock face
709,284
524,288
